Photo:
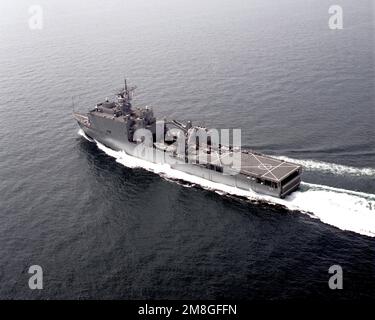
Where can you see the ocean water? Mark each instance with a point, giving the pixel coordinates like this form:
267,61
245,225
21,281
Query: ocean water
103,226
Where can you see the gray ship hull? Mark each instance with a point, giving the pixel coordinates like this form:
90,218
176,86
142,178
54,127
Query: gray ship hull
113,138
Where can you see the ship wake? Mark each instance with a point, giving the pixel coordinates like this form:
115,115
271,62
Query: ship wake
333,168
345,209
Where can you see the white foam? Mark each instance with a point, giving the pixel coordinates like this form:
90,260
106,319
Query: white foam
82,133
344,209
334,168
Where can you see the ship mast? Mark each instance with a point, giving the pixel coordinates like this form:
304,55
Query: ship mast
126,90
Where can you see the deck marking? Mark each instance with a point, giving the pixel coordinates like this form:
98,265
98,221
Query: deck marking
268,171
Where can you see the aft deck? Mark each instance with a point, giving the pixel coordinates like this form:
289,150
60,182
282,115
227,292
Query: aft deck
256,165
266,167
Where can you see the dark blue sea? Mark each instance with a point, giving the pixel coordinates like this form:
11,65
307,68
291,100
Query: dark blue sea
101,228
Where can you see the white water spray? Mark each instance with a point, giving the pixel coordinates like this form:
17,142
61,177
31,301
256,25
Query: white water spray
82,134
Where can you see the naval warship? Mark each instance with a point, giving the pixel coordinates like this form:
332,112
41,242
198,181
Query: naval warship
194,150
